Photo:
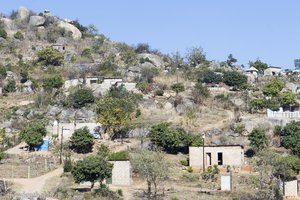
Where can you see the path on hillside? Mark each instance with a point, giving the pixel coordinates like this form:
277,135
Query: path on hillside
34,185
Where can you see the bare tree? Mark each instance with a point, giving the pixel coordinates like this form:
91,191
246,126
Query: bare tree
153,166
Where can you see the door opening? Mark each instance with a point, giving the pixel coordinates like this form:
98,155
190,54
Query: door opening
220,158
208,159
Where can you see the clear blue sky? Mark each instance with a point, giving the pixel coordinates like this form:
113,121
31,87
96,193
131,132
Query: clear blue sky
265,29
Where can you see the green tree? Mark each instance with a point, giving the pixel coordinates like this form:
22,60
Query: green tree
92,169
52,81
178,87
259,65
235,79
297,63
231,60
287,167
87,53
114,113
18,35
258,104
273,87
287,98
211,77
196,56
50,56
10,86
152,165
258,139
34,132
82,140
162,135
81,97
290,137
199,93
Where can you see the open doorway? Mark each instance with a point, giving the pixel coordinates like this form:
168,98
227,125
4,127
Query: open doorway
208,159
220,158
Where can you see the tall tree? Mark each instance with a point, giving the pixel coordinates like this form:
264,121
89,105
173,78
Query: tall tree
153,166
258,139
34,132
92,169
273,87
82,140
259,65
196,56
290,137
231,60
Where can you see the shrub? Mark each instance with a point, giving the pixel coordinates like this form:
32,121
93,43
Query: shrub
87,53
120,192
189,169
53,81
211,77
18,35
3,33
178,87
148,74
159,92
82,141
144,87
142,48
81,97
258,139
68,165
184,162
50,56
235,79
2,155
10,86
24,76
210,173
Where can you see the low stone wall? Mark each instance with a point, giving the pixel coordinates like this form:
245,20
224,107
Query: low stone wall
281,114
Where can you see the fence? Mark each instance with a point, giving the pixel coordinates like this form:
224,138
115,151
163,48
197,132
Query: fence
281,114
18,167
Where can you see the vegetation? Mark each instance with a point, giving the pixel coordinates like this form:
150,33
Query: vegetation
290,137
196,56
82,140
52,81
258,139
34,132
199,93
92,169
235,79
81,97
178,87
273,88
210,173
50,56
259,65
10,86
3,33
162,135
153,166
115,113
212,77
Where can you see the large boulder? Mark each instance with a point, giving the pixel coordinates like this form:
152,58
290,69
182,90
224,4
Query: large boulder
156,60
36,21
184,105
76,34
8,23
23,13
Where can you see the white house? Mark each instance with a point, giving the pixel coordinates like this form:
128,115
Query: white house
272,71
253,71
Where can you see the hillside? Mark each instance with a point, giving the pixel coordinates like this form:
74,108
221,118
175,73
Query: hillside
57,74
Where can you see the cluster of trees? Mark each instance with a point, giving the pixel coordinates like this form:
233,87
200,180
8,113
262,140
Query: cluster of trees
276,98
172,139
50,56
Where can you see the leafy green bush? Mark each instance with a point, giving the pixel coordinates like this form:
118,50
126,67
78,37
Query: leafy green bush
189,169
144,87
235,79
3,33
119,156
184,162
52,81
18,35
211,77
210,173
2,155
50,56
33,134
120,192
258,139
178,87
81,97
10,86
82,140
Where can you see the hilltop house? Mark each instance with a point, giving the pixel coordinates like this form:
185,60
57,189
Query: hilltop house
272,71
232,155
253,71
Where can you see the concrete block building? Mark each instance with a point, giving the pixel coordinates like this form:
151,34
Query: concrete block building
232,155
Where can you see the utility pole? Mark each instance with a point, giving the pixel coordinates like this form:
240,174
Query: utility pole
203,137
61,145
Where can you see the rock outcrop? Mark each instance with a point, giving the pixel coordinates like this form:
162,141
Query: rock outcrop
36,21
23,13
76,34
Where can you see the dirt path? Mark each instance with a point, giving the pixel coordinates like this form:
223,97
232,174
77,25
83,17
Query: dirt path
34,185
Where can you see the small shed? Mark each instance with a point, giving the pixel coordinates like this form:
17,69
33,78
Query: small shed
222,155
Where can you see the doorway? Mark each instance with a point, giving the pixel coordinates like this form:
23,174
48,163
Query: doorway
208,159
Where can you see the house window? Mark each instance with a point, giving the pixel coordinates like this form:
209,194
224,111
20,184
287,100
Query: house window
220,158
